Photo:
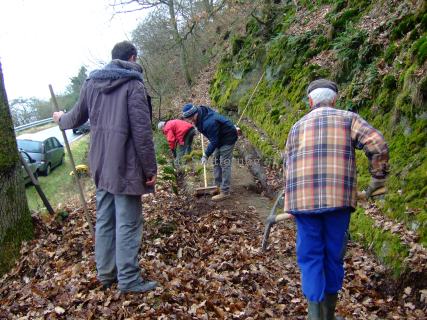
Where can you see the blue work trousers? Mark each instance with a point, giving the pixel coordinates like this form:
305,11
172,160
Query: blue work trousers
117,239
321,240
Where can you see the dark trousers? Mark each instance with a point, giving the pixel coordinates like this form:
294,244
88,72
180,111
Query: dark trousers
187,147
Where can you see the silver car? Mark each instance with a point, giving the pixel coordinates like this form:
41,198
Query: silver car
47,152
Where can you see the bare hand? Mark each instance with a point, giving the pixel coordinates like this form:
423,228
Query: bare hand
151,181
57,115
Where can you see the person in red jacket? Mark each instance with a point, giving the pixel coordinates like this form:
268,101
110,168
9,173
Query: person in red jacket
179,135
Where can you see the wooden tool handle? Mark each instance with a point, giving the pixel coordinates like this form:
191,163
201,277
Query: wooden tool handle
73,165
204,165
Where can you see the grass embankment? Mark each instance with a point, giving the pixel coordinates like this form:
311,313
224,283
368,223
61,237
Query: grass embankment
59,187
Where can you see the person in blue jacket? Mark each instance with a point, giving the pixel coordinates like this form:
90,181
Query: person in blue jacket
222,136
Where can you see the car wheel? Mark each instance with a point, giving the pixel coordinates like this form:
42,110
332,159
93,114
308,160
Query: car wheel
48,169
62,160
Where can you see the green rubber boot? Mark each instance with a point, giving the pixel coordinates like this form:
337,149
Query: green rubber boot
328,307
314,311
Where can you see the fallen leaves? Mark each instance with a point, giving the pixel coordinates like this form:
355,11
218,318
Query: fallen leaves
209,266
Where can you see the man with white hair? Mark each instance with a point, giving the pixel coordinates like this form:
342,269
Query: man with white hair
320,190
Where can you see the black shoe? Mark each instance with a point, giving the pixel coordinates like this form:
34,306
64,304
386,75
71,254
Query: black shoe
108,284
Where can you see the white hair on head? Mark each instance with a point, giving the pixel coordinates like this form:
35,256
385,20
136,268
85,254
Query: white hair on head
160,125
324,95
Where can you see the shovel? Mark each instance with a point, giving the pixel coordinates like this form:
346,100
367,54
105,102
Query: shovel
377,194
206,190
274,218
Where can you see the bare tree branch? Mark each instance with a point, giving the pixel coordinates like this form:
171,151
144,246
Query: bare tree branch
145,65
141,5
190,31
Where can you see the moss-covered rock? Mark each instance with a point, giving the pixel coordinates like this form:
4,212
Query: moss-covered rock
387,246
386,87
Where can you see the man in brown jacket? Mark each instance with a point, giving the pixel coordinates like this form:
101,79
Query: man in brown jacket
122,163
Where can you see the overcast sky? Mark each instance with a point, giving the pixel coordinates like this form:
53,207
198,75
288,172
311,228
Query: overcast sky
46,42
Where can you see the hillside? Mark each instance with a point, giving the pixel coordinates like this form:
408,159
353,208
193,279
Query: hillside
376,51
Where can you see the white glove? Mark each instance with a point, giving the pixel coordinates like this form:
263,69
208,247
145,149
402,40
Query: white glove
204,160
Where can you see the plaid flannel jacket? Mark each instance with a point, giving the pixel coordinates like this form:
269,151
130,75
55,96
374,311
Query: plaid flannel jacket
319,159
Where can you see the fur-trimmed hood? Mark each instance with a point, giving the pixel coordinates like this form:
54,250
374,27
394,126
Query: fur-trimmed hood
115,74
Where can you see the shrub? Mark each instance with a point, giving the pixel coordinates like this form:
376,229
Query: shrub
236,45
389,82
390,53
405,25
420,49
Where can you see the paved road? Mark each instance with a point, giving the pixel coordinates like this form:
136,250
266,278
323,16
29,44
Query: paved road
55,132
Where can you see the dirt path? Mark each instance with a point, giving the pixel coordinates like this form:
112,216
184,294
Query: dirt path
245,195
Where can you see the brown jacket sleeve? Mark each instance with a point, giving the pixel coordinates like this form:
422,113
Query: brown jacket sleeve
78,115
140,128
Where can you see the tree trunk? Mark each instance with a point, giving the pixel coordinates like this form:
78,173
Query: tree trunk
15,218
180,42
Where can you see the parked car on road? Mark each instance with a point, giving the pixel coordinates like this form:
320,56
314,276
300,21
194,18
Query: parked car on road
84,128
48,152
32,164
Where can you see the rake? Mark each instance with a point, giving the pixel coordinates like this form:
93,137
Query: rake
205,190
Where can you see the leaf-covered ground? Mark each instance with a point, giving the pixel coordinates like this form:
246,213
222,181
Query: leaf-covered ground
208,262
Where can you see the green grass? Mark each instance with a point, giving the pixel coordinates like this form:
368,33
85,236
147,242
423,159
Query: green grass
166,172
59,187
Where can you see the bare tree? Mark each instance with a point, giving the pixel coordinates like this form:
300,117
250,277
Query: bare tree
178,38
174,16
23,111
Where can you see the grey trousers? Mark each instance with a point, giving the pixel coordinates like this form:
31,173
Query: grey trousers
117,239
222,158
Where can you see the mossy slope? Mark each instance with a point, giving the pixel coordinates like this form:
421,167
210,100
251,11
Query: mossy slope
377,52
